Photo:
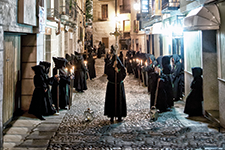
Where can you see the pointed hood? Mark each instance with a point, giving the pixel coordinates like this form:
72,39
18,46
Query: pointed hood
46,65
176,58
38,69
196,71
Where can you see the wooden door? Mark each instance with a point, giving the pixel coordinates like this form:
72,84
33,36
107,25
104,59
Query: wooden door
11,76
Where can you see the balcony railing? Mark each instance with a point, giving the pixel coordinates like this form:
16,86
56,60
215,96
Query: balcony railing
52,13
69,9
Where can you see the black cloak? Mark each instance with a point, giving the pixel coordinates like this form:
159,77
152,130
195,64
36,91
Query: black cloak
39,104
193,105
91,66
116,108
80,74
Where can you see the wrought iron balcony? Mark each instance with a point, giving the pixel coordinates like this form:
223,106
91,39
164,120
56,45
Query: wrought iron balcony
69,11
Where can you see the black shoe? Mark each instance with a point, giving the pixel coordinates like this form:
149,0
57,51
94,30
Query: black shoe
120,119
40,117
111,120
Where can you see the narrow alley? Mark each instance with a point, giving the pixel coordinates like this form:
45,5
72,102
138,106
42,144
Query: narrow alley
69,130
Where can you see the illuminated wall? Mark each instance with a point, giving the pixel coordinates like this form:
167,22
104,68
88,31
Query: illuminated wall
192,50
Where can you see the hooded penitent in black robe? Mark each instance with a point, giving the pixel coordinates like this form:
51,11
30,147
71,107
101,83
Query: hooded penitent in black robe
115,108
128,62
176,77
99,52
193,105
38,105
121,57
63,83
80,74
48,81
107,60
91,66
165,93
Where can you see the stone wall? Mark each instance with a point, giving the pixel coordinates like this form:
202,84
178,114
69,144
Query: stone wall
8,17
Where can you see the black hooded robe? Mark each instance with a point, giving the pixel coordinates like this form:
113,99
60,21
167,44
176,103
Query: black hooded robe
165,93
80,83
177,75
64,93
38,105
193,105
48,94
91,66
118,108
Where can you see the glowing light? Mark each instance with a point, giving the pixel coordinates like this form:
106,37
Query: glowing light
136,6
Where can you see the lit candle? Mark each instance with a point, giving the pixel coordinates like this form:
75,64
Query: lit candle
85,63
146,63
130,61
71,70
57,71
141,62
66,69
137,60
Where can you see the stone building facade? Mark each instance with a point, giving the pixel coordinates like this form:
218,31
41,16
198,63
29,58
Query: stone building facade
26,38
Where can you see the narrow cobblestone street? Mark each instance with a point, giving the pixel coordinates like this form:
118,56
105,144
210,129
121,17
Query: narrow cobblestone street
69,130
171,130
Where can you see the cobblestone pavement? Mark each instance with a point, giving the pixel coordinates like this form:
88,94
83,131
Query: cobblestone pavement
172,130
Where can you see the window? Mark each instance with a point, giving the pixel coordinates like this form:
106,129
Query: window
126,25
105,11
105,40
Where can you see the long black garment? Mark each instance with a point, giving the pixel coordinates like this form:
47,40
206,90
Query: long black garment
165,93
193,105
177,77
80,83
116,108
63,83
152,83
121,57
91,66
38,106
48,94
107,60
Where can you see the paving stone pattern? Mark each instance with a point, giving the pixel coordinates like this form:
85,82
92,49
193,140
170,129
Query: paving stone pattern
172,130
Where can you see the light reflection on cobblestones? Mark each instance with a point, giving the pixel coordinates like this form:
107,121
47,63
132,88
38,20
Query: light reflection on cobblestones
135,132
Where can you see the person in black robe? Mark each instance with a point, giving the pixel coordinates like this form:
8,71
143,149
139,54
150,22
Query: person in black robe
193,106
128,62
107,60
103,48
165,94
152,80
48,81
121,57
115,108
80,83
99,52
176,77
91,66
60,64
38,105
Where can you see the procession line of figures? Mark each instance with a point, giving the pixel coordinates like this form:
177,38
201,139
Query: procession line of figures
164,77
44,99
